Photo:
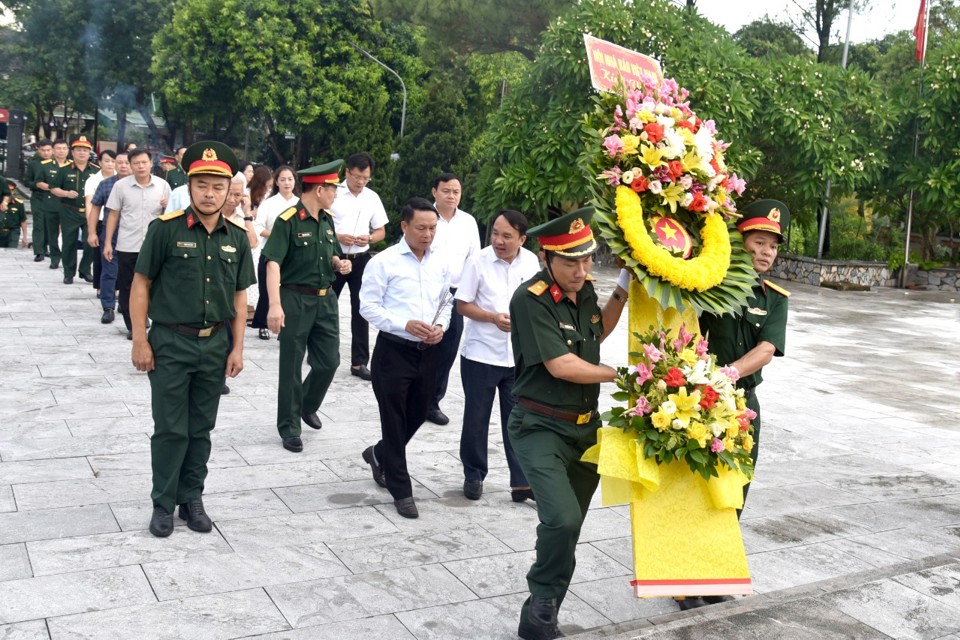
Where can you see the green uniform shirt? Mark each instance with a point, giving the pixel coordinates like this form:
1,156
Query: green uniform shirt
33,174
304,248
46,173
542,329
764,319
194,274
175,178
70,178
14,215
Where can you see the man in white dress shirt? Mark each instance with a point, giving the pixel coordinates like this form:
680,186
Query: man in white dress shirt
458,238
406,296
359,219
486,357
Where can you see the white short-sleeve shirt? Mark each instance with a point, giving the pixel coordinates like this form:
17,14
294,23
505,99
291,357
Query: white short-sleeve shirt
357,215
457,239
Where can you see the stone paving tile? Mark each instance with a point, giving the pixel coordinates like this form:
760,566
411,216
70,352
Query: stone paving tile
337,495
44,470
33,630
492,618
125,464
205,575
35,448
51,596
64,493
940,511
940,583
896,610
614,598
14,563
83,553
217,617
793,566
406,549
376,628
777,532
506,573
7,502
806,620
45,524
267,476
304,529
364,595
135,515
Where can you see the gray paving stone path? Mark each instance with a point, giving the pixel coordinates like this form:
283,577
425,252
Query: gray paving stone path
852,528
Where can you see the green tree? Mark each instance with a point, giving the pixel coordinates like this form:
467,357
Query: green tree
765,37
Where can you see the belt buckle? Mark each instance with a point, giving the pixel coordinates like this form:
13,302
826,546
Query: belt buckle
321,293
584,418
205,333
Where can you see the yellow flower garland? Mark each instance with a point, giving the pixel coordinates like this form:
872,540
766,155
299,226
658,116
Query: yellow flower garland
701,273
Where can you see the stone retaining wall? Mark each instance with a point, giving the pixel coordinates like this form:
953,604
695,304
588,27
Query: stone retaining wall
862,274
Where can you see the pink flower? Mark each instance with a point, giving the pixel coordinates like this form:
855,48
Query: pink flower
735,184
643,373
716,446
730,372
701,347
653,354
612,176
684,335
613,145
642,408
750,413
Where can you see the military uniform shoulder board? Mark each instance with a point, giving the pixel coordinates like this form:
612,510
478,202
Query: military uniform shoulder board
778,289
234,222
172,215
18,200
286,215
589,278
47,161
538,287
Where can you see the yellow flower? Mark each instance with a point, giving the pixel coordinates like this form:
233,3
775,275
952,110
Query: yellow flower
689,357
729,443
630,145
696,431
732,432
687,135
747,441
660,420
651,156
701,273
646,116
687,406
672,196
721,195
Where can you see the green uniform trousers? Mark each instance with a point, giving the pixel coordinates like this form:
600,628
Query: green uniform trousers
10,239
549,451
311,324
51,221
38,235
752,403
74,225
185,392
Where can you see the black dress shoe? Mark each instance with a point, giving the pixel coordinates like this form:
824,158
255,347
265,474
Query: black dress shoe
161,524
472,489
38,257
541,620
264,334
293,443
519,495
68,280
54,265
691,602
108,316
361,372
312,420
86,277
225,390
378,475
716,599
406,507
197,519
437,417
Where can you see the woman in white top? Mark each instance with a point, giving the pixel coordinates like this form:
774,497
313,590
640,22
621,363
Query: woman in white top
287,195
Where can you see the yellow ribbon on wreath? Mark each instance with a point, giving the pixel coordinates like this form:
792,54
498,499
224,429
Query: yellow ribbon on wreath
704,272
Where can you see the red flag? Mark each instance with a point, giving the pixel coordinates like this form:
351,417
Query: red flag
920,31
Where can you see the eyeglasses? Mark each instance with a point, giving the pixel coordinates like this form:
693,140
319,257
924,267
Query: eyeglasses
359,177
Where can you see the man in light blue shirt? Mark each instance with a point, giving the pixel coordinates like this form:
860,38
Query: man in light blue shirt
406,295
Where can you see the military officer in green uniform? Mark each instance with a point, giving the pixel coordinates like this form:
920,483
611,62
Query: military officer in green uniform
191,278
51,206
36,172
556,330
13,220
172,172
68,185
302,262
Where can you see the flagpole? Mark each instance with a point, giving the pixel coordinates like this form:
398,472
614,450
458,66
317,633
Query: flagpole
916,145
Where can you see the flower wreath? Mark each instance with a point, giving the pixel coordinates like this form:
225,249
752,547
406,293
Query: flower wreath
654,158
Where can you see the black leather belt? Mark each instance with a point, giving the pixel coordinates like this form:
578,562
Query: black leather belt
205,332
550,412
308,291
413,344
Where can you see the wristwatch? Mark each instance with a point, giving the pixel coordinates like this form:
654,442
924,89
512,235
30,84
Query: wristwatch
248,218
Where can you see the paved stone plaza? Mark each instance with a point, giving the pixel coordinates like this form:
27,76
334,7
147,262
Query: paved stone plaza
852,527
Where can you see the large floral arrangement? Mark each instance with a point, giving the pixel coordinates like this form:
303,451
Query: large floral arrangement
664,171
683,407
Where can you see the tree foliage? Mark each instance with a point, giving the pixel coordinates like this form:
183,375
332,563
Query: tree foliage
767,38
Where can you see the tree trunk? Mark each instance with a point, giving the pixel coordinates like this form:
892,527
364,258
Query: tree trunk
272,138
148,118
928,243
121,128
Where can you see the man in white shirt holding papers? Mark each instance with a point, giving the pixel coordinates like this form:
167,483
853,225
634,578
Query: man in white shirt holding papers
458,238
486,358
359,219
